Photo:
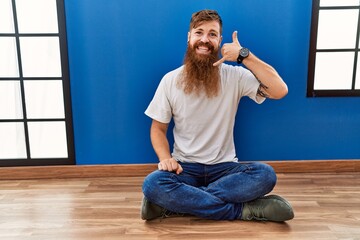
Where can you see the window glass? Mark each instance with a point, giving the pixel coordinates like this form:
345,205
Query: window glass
338,3
37,16
329,74
8,57
357,83
12,140
44,99
40,56
337,29
47,140
10,100
6,17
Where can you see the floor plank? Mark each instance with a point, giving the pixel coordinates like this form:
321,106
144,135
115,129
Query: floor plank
327,206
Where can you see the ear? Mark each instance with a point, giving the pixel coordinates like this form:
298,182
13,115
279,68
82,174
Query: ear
188,37
221,38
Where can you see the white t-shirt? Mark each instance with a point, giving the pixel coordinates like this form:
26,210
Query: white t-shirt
203,131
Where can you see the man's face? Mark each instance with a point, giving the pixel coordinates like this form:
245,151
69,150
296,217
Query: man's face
205,38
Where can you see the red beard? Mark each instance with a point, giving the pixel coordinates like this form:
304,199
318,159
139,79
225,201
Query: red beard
199,73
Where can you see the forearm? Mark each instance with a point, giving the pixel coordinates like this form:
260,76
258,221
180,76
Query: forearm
161,146
160,143
271,84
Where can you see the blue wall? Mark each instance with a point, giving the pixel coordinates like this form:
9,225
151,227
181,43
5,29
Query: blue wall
119,50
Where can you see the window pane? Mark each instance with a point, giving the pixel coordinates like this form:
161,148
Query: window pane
10,100
357,83
12,140
40,56
6,17
331,3
8,57
337,29
37,16
333,70
44,99
47,140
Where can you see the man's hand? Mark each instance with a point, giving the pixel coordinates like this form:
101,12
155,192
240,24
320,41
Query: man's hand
170,165
230,51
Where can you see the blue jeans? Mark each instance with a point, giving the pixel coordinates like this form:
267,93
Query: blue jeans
210,191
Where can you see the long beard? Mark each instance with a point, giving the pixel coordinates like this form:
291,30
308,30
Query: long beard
199,73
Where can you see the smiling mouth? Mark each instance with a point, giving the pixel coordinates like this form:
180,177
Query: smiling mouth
203,50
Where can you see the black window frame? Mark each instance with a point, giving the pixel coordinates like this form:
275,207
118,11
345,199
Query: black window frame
311,92
28,161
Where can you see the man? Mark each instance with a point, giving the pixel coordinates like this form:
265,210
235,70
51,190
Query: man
202,176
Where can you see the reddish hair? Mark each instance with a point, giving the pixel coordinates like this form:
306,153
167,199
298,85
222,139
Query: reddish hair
204,16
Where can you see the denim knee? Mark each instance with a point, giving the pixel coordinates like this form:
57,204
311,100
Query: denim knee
152,184
268,174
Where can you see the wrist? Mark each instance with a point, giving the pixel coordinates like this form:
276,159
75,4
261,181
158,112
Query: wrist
164,158
243,53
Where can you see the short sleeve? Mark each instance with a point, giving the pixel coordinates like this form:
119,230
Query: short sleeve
159,108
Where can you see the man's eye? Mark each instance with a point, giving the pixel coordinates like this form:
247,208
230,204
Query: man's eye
213,34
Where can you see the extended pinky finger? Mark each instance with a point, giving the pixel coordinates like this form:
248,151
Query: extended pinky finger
219,62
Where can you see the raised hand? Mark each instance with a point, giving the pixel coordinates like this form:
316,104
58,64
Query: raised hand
230,51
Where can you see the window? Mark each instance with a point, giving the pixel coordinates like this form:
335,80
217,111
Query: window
35,109
334,65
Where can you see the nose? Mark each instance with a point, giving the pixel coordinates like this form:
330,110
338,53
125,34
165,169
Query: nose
204,38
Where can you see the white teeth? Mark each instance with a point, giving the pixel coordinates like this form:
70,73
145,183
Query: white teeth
203,49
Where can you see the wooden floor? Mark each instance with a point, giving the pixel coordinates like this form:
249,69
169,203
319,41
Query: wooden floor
327,206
